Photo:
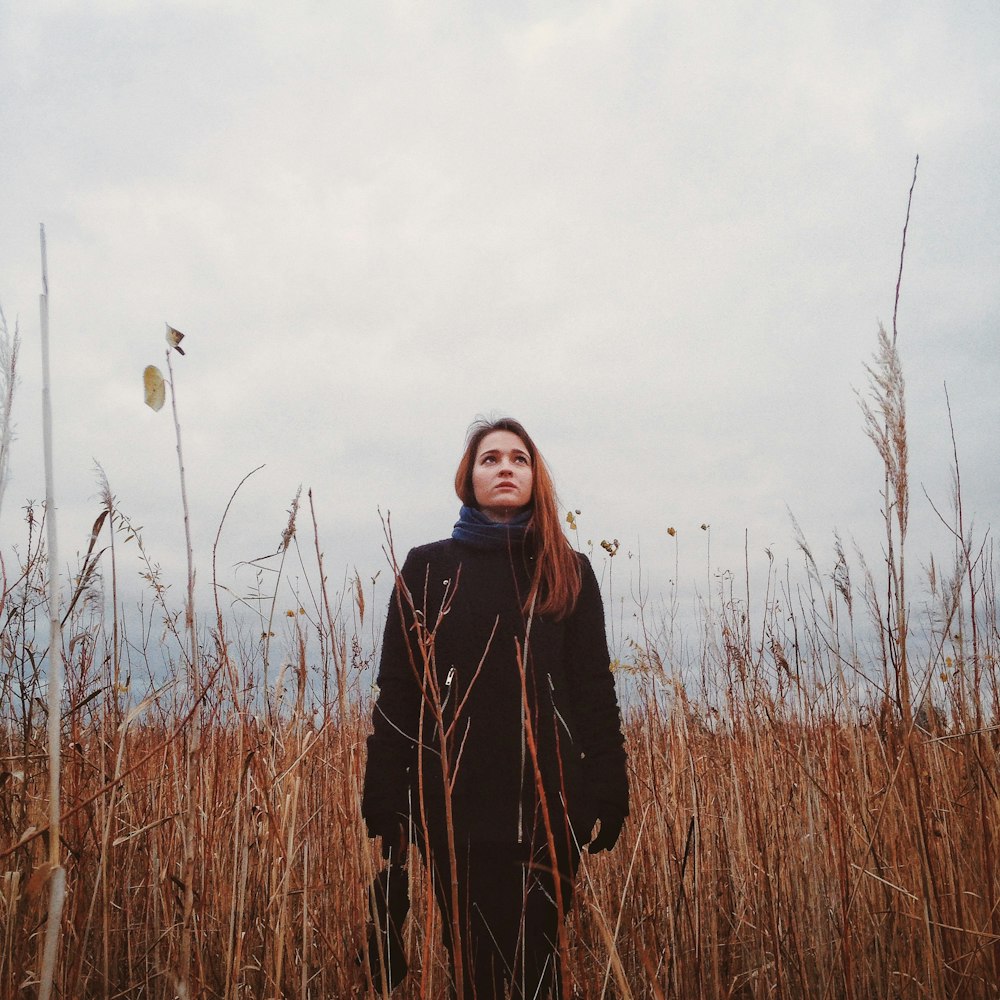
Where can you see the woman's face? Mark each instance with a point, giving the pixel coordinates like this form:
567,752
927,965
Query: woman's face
502,475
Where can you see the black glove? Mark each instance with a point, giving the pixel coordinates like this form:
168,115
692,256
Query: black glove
612,821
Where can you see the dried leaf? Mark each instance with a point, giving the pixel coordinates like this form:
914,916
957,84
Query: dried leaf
39,877
174,338
152,381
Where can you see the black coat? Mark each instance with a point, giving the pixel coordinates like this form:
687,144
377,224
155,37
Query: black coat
567,705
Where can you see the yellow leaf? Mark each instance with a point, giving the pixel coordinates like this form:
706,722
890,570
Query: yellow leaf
152,381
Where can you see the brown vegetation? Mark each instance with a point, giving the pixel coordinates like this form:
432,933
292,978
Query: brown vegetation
789,836
812,815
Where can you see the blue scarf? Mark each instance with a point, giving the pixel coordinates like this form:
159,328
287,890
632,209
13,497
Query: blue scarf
474,528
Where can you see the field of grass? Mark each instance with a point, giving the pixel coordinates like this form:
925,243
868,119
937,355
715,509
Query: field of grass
812,815
784,840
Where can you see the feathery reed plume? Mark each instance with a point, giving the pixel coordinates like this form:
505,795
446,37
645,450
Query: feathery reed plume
885,425
286,540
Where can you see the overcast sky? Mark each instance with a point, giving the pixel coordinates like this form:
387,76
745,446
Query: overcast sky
661,234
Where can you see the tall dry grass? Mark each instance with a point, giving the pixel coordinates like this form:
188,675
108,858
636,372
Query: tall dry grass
790,834
793,833
814,814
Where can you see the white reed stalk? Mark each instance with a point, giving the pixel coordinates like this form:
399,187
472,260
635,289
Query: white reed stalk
9,349
57,883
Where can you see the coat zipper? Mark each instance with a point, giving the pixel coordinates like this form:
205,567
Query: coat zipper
447,684
444,703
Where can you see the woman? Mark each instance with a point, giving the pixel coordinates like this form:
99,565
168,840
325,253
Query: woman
496,737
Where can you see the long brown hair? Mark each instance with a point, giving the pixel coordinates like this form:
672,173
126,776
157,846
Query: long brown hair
555,585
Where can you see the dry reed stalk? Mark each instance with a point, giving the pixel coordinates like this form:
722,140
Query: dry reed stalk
190,768
329,621
529,735
431,692
985,756
611,936
425,674
220,626
614,962
281,890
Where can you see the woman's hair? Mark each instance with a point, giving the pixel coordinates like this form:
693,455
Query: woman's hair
555,585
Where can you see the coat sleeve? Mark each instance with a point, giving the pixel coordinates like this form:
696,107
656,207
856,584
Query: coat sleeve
395,715
596,704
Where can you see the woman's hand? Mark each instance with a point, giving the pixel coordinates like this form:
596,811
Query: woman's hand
608,833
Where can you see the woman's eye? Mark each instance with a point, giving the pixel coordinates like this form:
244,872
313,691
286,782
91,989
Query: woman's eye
523,459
